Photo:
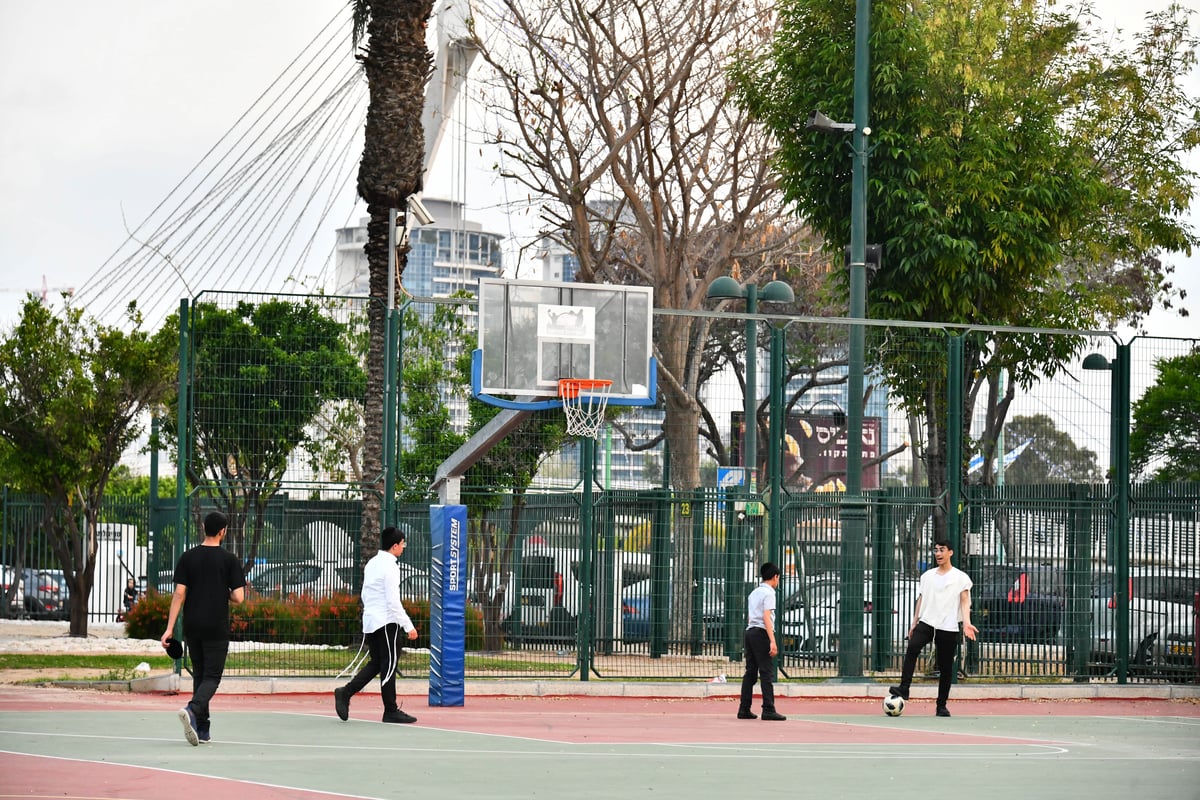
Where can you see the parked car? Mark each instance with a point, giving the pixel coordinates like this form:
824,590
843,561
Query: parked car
16,604
44,595
64,590
1161,625
550,588
286,580
1018,603
317,580
636,608
810,619
414,582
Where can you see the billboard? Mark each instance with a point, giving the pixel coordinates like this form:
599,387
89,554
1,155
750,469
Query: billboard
814,451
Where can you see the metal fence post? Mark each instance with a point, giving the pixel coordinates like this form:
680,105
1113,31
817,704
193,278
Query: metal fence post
954,455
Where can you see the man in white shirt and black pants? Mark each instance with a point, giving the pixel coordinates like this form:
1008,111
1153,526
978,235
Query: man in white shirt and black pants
943,601
383,619
760,646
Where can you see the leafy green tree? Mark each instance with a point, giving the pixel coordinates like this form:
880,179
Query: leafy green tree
72,394
1051,456
122,481
261,372
1166,422
431,385
1009,177
505,471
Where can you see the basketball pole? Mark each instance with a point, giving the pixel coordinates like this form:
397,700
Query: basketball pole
587,473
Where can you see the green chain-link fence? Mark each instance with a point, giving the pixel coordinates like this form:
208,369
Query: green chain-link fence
1000,440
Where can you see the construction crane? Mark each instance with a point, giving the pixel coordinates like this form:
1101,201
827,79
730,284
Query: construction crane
44,292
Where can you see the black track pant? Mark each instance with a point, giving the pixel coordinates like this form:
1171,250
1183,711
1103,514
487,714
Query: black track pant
384,645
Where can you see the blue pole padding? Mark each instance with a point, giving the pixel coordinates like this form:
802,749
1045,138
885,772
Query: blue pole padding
447,605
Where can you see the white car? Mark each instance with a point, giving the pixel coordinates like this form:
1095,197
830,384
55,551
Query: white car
543,597
1161,626
8,576
810,623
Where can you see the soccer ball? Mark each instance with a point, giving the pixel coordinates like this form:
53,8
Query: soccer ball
893,705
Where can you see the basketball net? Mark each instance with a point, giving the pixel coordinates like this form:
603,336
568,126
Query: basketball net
584,401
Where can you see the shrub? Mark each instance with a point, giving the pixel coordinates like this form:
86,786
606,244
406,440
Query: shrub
418,612
148,617
334,620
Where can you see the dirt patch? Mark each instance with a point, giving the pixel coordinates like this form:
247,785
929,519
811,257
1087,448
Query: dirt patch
14,676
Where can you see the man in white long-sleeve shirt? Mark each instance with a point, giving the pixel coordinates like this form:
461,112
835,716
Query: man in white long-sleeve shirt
383,619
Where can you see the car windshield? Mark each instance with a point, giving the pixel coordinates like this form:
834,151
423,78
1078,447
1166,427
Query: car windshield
1036,581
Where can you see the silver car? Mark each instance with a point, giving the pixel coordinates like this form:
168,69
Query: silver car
1161,626
810,622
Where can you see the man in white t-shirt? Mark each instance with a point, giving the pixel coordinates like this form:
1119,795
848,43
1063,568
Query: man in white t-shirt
943,601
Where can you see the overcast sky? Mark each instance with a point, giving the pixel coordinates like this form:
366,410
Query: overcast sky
107,104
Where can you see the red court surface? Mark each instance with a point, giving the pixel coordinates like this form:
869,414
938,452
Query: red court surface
114,724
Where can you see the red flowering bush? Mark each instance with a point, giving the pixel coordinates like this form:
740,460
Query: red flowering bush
148,617
299,619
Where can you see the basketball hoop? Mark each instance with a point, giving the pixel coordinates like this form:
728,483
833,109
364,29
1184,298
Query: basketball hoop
584,401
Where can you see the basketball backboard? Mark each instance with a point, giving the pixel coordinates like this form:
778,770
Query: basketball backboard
533,334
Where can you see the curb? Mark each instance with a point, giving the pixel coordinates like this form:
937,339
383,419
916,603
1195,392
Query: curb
647,689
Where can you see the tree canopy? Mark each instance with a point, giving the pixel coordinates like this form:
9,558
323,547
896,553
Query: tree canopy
261,373
1023,171
72,393
1165,440
1049,456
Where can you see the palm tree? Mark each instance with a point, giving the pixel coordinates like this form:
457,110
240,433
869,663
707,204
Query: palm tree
397,64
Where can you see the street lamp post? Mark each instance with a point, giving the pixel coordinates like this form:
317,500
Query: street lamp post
854,507
1119,463
726,288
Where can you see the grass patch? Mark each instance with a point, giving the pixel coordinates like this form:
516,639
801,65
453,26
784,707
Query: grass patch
106,661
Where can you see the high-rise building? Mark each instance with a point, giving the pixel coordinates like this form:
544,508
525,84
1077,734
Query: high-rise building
448,254
558,263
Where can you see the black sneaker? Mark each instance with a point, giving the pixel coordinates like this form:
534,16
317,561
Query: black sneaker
895,692
204,736
942,711
341,703
188,720
398,716
774,716
747,715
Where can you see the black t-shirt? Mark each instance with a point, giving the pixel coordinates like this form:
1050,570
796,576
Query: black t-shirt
210,574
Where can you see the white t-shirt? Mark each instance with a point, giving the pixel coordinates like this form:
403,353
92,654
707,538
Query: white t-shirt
939,593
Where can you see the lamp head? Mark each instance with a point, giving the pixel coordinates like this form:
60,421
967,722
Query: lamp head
819,122
724,288
1095,361
777,292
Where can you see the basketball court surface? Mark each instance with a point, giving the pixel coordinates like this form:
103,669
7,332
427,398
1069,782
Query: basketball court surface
86,744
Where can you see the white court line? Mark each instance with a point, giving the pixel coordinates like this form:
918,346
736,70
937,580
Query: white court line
197,775
706,751
1190,722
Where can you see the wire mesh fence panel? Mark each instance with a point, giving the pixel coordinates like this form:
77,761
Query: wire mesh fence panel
625,557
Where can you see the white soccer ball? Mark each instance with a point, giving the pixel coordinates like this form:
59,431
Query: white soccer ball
893,705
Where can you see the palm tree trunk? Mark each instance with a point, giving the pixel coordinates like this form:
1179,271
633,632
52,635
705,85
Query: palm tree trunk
397,65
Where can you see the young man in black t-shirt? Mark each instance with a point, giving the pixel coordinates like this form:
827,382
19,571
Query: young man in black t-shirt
207,579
